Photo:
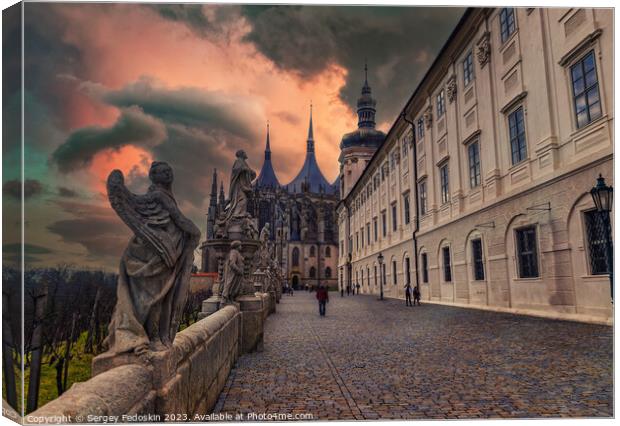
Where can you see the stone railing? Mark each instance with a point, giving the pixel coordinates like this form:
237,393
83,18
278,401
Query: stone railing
177,385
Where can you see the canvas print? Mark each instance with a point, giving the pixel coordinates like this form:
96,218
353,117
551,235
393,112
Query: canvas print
247,212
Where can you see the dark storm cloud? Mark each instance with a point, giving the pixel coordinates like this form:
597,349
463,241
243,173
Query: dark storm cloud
95,228
189,106
13,188
398,42
66,192
132,127
214,23
203,130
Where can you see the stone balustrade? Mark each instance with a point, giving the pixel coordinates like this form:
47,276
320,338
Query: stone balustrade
184,381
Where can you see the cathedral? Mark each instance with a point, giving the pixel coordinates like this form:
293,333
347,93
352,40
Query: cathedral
302,213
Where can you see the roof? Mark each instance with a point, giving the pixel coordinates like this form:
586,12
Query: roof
310,177
267,176
363,136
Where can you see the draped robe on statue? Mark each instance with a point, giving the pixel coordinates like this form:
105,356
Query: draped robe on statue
240,185
153,281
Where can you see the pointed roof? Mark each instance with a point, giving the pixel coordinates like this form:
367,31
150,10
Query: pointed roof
310,177
267,176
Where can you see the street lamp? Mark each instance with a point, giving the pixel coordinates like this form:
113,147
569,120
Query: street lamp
603,196
380,260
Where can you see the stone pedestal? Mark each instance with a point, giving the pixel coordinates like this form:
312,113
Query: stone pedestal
252,323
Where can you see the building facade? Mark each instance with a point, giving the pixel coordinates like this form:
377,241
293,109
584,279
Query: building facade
480,192
301,215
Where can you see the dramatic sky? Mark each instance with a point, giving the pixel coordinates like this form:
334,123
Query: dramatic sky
120,85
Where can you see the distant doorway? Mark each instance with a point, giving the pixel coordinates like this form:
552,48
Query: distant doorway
295,282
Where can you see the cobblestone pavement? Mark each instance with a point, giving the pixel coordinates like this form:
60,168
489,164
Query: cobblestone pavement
369,359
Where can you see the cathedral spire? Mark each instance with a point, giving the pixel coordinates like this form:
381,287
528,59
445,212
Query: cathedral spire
213,200
267,147
222,197
310,142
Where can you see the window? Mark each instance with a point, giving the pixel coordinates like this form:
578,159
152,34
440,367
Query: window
328,272
357,241
384,223
445,184
375,275
368,232
384,276
362,280
405,147
468,68
328,251
518,145
447,268
507,22
424,261
376,227
394,213
526,252
597,242
312,251
368,276
441,104
585,90
382,173
394,272
295,257
423,197
420,128
476,254
406,208
407,271
350,244
474,164
362,235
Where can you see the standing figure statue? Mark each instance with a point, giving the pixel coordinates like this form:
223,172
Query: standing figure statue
233,273
240,188
153,281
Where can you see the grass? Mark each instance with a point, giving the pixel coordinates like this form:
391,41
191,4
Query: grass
79,371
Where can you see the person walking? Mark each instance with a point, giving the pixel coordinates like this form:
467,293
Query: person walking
358,288
416,295
323,297
342,291
408,292
348,290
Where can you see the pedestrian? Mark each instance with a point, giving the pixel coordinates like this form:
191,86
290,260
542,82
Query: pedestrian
408,292
290,291
323,297
416,295
348,289
342,291
286,288
358,288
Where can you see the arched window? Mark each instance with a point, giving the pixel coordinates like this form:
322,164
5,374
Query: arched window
328,251
295,256
312,251
328,272
313,272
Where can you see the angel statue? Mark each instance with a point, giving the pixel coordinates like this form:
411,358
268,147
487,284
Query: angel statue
153,281
240,186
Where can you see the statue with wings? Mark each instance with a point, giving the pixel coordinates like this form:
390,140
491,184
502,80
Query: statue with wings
155,268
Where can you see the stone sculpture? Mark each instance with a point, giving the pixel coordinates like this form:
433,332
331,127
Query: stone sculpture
240,187
155,268
233,274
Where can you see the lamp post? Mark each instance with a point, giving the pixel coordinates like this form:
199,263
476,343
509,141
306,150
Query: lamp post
380,260
603,198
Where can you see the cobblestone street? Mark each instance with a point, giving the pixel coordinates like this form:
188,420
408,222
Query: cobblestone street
382,360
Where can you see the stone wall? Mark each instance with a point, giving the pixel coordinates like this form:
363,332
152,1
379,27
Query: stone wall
177,386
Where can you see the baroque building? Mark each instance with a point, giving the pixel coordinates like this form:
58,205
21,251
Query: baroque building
301,215
479,194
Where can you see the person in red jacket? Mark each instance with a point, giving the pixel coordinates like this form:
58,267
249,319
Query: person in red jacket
323,298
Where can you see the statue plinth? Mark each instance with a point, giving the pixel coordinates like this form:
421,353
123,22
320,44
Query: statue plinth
221,247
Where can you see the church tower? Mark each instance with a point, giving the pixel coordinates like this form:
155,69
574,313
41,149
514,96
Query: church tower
358,147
